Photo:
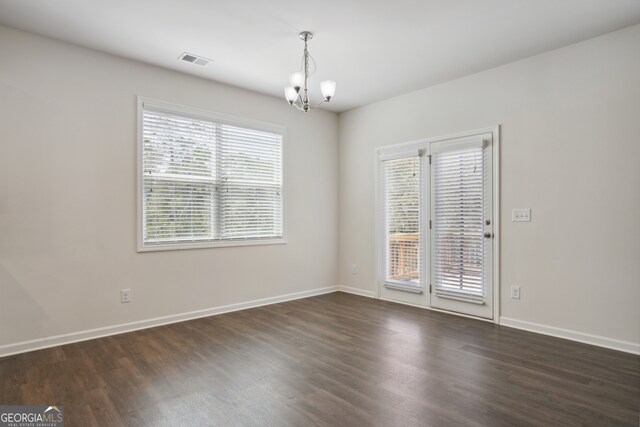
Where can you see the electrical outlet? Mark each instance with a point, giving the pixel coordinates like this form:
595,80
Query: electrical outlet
515,292
354,268
125,295
521,215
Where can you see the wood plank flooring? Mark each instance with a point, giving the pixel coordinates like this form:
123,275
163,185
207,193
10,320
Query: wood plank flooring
336,359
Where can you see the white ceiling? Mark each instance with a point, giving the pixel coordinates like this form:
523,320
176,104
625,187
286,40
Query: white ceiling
373,49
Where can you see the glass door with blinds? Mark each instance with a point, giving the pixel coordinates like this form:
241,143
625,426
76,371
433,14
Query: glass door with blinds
436,223
402,192
461,230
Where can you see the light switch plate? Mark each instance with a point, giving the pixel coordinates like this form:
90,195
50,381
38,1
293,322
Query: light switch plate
515,292
125,295
521,215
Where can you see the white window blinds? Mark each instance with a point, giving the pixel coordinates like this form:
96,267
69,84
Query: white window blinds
458,183
402,201
208,181
251,183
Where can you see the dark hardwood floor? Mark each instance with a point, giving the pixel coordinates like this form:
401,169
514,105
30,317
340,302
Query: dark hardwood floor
336,359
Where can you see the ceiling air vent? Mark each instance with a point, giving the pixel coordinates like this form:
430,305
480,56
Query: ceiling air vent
194,59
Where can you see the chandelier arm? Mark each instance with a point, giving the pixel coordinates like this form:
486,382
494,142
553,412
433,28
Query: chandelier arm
299,102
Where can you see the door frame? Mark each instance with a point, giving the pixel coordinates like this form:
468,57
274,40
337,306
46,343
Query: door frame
422,144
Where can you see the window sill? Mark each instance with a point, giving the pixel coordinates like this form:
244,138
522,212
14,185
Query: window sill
400,286
206,245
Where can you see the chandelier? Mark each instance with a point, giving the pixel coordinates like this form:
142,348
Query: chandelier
297,94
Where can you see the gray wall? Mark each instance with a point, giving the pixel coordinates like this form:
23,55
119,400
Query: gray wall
68,196
570,148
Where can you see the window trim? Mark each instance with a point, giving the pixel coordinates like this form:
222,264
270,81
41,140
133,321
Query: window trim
170,107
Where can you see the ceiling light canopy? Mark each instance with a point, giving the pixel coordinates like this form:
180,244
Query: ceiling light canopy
297,94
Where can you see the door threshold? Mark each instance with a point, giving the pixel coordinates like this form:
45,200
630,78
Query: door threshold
455,313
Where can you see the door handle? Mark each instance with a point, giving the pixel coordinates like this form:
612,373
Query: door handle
488,235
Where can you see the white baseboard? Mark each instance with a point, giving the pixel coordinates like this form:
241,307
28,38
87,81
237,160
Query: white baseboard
53,341
626,346
357,291
568,334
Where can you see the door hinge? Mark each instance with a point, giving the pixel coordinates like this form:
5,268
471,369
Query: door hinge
429,287
429,157
430,225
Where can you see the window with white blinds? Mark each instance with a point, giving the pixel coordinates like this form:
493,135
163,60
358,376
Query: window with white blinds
208,182
401,180
458,211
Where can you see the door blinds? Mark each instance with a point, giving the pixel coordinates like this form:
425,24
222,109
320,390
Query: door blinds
402,204
458,211
204,181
